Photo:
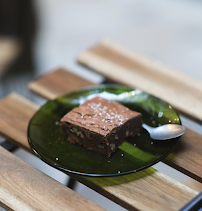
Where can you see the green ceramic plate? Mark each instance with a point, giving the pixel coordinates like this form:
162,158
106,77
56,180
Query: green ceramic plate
49,144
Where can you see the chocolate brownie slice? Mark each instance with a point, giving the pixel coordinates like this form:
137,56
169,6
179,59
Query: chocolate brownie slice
101,125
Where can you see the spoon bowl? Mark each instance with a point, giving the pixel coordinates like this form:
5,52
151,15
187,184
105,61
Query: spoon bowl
165,132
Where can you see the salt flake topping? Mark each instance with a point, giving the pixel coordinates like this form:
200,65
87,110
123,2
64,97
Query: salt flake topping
100,110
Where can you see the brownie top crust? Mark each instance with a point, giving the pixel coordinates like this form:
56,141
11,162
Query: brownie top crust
99,115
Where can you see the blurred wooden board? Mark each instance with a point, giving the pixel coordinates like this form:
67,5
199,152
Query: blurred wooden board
9,50
23,187
127,67
185,158
58,82
145,190
15,113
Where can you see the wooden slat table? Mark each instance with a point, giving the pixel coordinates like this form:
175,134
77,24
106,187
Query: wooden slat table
145,190
185,158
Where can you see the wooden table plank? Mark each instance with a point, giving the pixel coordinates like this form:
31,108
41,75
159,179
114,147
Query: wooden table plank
145,190
23,187
51,88
15,113
127,67
186,157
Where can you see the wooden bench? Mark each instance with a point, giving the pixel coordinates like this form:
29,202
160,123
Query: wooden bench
145,190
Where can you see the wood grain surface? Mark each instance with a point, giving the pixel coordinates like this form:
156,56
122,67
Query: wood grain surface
127,67
15,113
50,88
23,187
185,158
145,190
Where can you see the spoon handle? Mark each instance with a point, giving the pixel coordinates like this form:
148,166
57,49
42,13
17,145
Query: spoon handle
146,127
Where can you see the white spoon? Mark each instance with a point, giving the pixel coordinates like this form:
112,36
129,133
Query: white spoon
165,132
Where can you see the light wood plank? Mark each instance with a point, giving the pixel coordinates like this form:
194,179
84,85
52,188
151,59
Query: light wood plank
127,67
185,158
51,88
15,113
23,187
145,190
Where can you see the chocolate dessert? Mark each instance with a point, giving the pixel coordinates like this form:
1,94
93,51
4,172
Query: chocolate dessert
101,125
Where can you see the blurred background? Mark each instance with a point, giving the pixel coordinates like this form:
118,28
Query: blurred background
42,35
